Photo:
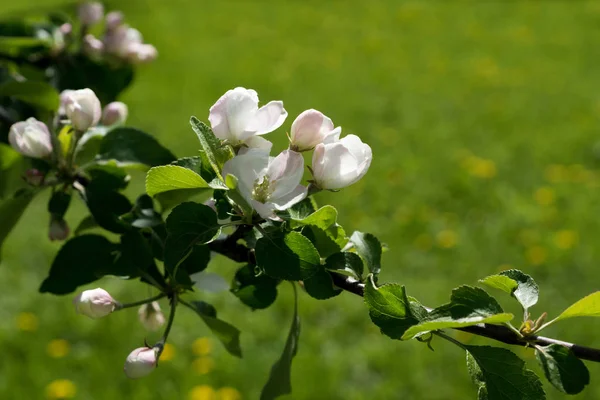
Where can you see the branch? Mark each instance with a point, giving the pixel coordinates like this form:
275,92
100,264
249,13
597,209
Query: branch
240,253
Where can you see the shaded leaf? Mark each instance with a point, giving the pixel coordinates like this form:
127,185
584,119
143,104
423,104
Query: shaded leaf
227,334
38,94
369,248
562,368
256,291
11,210
527,290
290,256
132,147
347,263
320,285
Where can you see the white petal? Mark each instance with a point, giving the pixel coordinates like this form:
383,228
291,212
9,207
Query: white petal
285,173
291,198
256,142
309,129
268,118
339,167
230,115
247,168
333,136
264,210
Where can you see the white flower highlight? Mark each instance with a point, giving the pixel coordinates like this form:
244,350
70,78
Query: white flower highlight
310,128
115,113
113,20
140,362
339,164
83,108
236,117
266,183
92,46
95,303
90,13
31,138
151,316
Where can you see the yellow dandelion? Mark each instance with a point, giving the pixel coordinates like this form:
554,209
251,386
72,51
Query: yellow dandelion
58,348
203,365
447,239
27,322
536,255
202,392
556,173
423,242
229,393
168,352
61,389
485,169
578,173
544,196
202,346
566,239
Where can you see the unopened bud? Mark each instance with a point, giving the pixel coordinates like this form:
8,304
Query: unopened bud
114,113
151,316
66,29
140,53
31,138
140,362
59,229
114,19
83,108
94,303
34,177
90,13
92,46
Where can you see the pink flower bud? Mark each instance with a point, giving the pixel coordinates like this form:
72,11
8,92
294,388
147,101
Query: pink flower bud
94,303
311,128
31,138
114,113
90,13
59,229
114,19
34,177
140,362
140,53
66,29
92,46
151,316
83,108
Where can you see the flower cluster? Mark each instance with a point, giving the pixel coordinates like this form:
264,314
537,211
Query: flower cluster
119,40
268,184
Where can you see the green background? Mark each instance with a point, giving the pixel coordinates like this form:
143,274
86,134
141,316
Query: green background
470,107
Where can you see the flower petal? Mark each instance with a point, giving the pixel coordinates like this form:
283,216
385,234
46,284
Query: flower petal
230,115
247,168
265,210
296,195
268,118
285,173
256,142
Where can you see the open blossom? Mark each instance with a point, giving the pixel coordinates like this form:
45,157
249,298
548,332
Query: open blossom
339,164
83,108
113,20
268,184
151,316
310,128
90,13
140,362
95,303
31,138
236,117
114,113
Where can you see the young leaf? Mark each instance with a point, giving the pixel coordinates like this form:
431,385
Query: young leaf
165,178
390,309
562,368
291,256
134,148
589,306
369,248
227,334
527,290
255,291
11,210
501,375
347,263
320,285
106,205
325,220
279,382
501,282
302,209
188,224
216,154
468,306
39,94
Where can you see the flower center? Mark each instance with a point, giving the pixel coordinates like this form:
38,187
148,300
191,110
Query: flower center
261,190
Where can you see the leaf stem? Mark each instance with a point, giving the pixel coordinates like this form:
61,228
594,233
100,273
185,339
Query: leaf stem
139,303
450,339
547,324
161,343
512,328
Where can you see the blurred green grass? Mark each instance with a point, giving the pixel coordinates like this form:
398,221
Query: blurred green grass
483,118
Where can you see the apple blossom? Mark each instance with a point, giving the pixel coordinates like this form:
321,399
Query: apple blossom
151,316
339,164
113,20
139,53
31,138
236,117
95,303
83,108
92,46
66,29
120,40
310,128
114,113
90,13
140,362
268,184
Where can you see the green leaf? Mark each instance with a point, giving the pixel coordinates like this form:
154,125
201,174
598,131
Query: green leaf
501,282
187,225
369,248
257,291
212,150
325,219
38,94
280,382
11,210
290,256
347,263
589,306
527,290
172,177
143,214
302,209
83,259
501,375
227,334
106,204
133,148
390,309
562,368
320,285
85,224
468,306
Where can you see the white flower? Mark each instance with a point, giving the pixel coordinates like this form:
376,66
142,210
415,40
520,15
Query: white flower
114,113
151,316
268,184
237,118
83,108
140,362
94,303
119,40
113,20
90,13
140,53
92,46
310,128
342,163
31,138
